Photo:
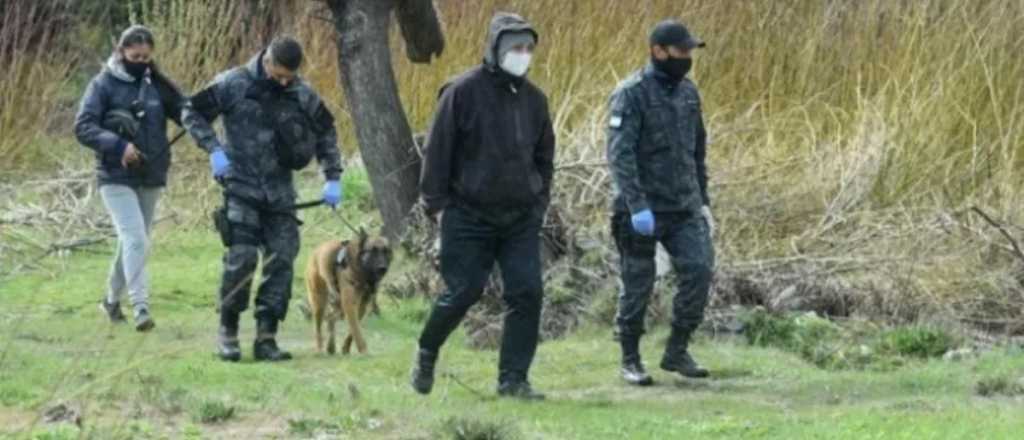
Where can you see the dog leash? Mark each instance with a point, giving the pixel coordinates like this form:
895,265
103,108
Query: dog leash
348,225
309,204
177,137
313,203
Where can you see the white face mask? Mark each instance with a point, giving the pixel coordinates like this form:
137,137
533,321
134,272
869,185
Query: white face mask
516,63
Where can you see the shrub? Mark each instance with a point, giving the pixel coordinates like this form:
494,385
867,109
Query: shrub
467,428
916,341
214,411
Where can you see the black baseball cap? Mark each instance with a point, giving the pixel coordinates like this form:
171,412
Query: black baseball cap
673,33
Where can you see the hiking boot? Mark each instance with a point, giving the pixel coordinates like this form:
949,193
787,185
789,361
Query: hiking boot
227,344
677,358
632,368
634,374
519,390
265,348
423,371
113,311
684,364
144,322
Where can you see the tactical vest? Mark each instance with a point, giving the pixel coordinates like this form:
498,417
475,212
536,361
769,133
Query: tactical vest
294,140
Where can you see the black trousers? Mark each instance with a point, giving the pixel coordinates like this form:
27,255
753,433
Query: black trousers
470,244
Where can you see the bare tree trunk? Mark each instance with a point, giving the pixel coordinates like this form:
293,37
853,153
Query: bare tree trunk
382,130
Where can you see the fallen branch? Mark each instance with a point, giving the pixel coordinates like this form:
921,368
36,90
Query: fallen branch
1013,242
74,244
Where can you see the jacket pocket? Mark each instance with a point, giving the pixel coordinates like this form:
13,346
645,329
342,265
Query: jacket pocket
536,184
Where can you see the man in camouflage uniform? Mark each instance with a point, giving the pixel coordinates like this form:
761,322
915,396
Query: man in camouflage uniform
656,150
273,123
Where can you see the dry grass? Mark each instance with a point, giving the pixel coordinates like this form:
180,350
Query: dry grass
34,66
850,138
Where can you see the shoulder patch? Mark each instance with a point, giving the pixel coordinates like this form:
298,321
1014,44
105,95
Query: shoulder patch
619,107
615,121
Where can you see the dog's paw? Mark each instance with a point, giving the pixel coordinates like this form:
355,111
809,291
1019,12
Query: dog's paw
331,349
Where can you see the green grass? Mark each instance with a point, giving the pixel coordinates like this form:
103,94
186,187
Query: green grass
920,342
999,386
855,345
213,411
56,347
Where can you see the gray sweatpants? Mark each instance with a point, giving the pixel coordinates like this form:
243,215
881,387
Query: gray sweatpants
132,210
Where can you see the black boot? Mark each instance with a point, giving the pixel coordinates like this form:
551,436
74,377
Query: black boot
678,359
632,367
227,338
520,389
423,371
265,347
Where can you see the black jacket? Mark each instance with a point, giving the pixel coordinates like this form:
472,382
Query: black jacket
113,88
491,146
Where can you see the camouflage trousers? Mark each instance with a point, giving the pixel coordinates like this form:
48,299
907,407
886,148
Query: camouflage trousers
686,238
256,229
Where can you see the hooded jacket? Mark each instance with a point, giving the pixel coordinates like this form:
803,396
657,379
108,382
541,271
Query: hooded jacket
256,173
491,146
114,89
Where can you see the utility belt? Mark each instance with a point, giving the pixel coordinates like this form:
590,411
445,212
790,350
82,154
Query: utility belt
229,235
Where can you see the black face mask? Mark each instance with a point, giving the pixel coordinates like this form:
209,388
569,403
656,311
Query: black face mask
135,69
675,68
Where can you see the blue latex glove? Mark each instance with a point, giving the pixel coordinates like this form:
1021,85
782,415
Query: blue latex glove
219,163
643,222
332,193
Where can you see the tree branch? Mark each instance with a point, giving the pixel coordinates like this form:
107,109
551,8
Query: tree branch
1013,242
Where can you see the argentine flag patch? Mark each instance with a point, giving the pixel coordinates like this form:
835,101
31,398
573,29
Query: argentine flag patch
615,121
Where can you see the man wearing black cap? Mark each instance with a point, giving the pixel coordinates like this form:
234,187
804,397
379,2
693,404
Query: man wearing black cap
656,151
487,167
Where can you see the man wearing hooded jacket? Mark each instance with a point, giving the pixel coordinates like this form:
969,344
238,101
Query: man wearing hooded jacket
656,151
486,178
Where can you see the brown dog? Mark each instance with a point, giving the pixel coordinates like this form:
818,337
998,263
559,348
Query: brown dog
342,279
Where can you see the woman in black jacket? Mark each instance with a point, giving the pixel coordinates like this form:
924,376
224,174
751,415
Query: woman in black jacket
123,119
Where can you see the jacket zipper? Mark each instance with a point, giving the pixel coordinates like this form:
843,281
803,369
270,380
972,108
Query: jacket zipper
516,116
678,148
